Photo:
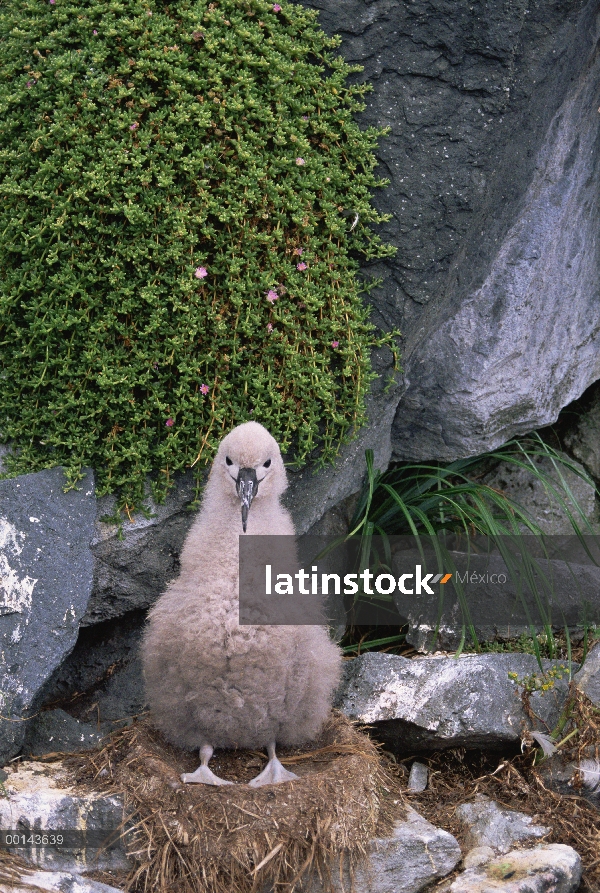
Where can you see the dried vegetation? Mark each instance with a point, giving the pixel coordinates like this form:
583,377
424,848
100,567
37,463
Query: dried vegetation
197,839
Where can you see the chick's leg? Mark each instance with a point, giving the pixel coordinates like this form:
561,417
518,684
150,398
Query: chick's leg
204,775
273,773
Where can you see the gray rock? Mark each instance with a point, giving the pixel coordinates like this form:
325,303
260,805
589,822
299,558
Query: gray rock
413,856
46,568
493,163
582,438
123,696
99,666
548,868
41,797
489,825
104,671
478,856
336,521
587,679
541,504
417,778
311,494
135,561
57,731
55,882
438,702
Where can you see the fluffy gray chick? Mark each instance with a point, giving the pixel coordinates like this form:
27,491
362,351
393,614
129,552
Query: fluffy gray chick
209,681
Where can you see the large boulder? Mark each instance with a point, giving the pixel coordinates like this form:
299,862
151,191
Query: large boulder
493,159
434,703
46,568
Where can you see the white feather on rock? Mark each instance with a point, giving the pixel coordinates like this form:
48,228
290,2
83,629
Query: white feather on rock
590,775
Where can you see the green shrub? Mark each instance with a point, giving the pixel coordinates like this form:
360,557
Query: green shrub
176,253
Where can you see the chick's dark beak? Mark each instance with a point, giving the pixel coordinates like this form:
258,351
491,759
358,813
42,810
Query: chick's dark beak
246,486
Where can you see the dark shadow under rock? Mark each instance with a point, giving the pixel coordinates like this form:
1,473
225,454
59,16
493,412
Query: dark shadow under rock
101,680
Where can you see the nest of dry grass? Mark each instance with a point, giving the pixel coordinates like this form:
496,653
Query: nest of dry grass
201,839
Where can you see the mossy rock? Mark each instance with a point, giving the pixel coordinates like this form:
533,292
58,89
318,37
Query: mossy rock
179,242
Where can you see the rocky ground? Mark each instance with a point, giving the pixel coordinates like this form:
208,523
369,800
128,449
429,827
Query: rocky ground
463,736
486,812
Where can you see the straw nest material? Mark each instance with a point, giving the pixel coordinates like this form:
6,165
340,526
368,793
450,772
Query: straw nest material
218,839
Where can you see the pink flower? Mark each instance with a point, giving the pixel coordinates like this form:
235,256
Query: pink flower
134,126
297,251
169,423
94,31
200,272
301,266
305,117
204,389
52,2
269,327
300,161
276,7
272,296
335,343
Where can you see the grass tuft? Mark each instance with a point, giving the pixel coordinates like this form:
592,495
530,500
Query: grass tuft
443,501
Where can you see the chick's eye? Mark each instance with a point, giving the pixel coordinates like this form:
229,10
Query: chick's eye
228,461
267,463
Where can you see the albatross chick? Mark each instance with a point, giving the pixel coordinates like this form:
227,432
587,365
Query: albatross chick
209,681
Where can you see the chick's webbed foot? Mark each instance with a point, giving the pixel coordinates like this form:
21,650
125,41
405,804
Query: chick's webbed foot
273,773
203,775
